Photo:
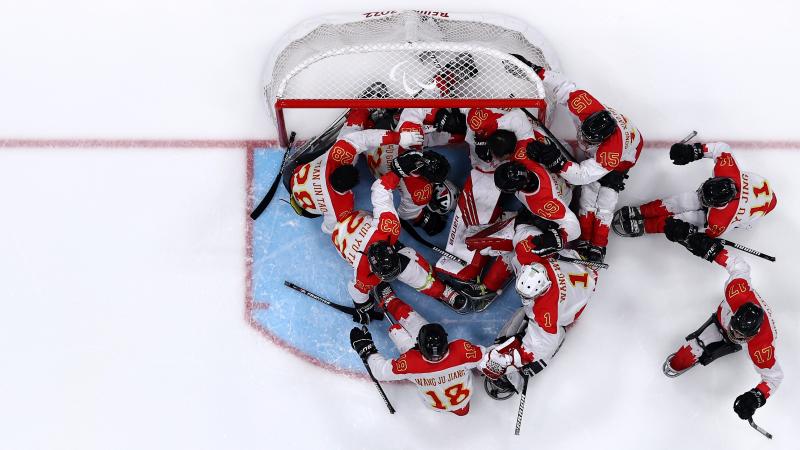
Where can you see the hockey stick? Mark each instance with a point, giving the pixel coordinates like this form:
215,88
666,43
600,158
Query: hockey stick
550,135
766,433
521,410
262,205
375,381
688,137
589,264
373,314
323,300
747,250
410,230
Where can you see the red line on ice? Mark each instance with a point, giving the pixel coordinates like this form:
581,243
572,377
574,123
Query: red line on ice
249,145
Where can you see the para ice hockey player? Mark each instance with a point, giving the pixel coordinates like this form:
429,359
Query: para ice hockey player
323,186
441,370
730,199
553,295
741,319
492,135
369,242
609,145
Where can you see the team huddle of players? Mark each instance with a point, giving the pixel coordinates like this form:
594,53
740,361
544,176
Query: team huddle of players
553,252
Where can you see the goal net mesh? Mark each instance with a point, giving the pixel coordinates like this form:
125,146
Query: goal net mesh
414,55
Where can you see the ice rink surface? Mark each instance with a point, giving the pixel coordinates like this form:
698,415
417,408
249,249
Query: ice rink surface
126,127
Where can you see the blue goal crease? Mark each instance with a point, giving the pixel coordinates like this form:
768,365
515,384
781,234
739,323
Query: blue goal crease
289,247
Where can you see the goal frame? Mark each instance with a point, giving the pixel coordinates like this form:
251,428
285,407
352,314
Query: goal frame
277,106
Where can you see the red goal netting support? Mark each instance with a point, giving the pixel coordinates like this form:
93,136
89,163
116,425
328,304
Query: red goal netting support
420,59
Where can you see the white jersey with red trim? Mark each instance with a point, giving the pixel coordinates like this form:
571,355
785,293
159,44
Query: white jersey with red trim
310,183
551,199
444,385
379,159
761,347
483,122
572,285
353,235
617,153
756,198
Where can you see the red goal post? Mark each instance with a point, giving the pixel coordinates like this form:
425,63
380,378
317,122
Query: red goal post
329,62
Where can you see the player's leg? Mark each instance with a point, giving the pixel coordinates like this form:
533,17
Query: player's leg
606,202
587,208
477,205
419,275
655,213
697,343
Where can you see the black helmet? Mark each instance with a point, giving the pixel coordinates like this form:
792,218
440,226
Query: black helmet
502,143
432,342
435,167
746,322
344,178
512,176
717,192
597,127
384,261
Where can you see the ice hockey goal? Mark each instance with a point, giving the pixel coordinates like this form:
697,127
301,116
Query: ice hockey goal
416,58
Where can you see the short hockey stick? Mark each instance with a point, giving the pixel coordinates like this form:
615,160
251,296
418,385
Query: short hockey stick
410,230
747,250
323,300
375,315
375,381
766,433
590,264
262,205
688,137
521,410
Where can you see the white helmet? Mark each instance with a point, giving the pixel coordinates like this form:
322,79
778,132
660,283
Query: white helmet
444,198
532,281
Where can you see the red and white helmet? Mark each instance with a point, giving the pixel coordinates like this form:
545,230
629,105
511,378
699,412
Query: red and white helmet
532,282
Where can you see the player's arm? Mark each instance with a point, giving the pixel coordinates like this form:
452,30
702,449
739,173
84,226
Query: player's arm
365,140
762,353
607,158
382,369
357,119
517,122
736,266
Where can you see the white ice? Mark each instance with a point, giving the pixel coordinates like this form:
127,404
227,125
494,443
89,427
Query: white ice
122,276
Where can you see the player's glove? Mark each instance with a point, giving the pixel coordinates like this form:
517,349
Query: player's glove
532,368
614,180
364,312
746,404
410,139
496,364
677,230
482,150
704,246
547,243
433,223
547,154
450,120
682,154
435,167
407,164
361,341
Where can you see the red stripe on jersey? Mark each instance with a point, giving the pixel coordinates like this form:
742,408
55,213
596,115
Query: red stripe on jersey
458,352
545,308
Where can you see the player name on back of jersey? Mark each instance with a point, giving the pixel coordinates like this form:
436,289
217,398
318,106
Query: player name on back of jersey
442,379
